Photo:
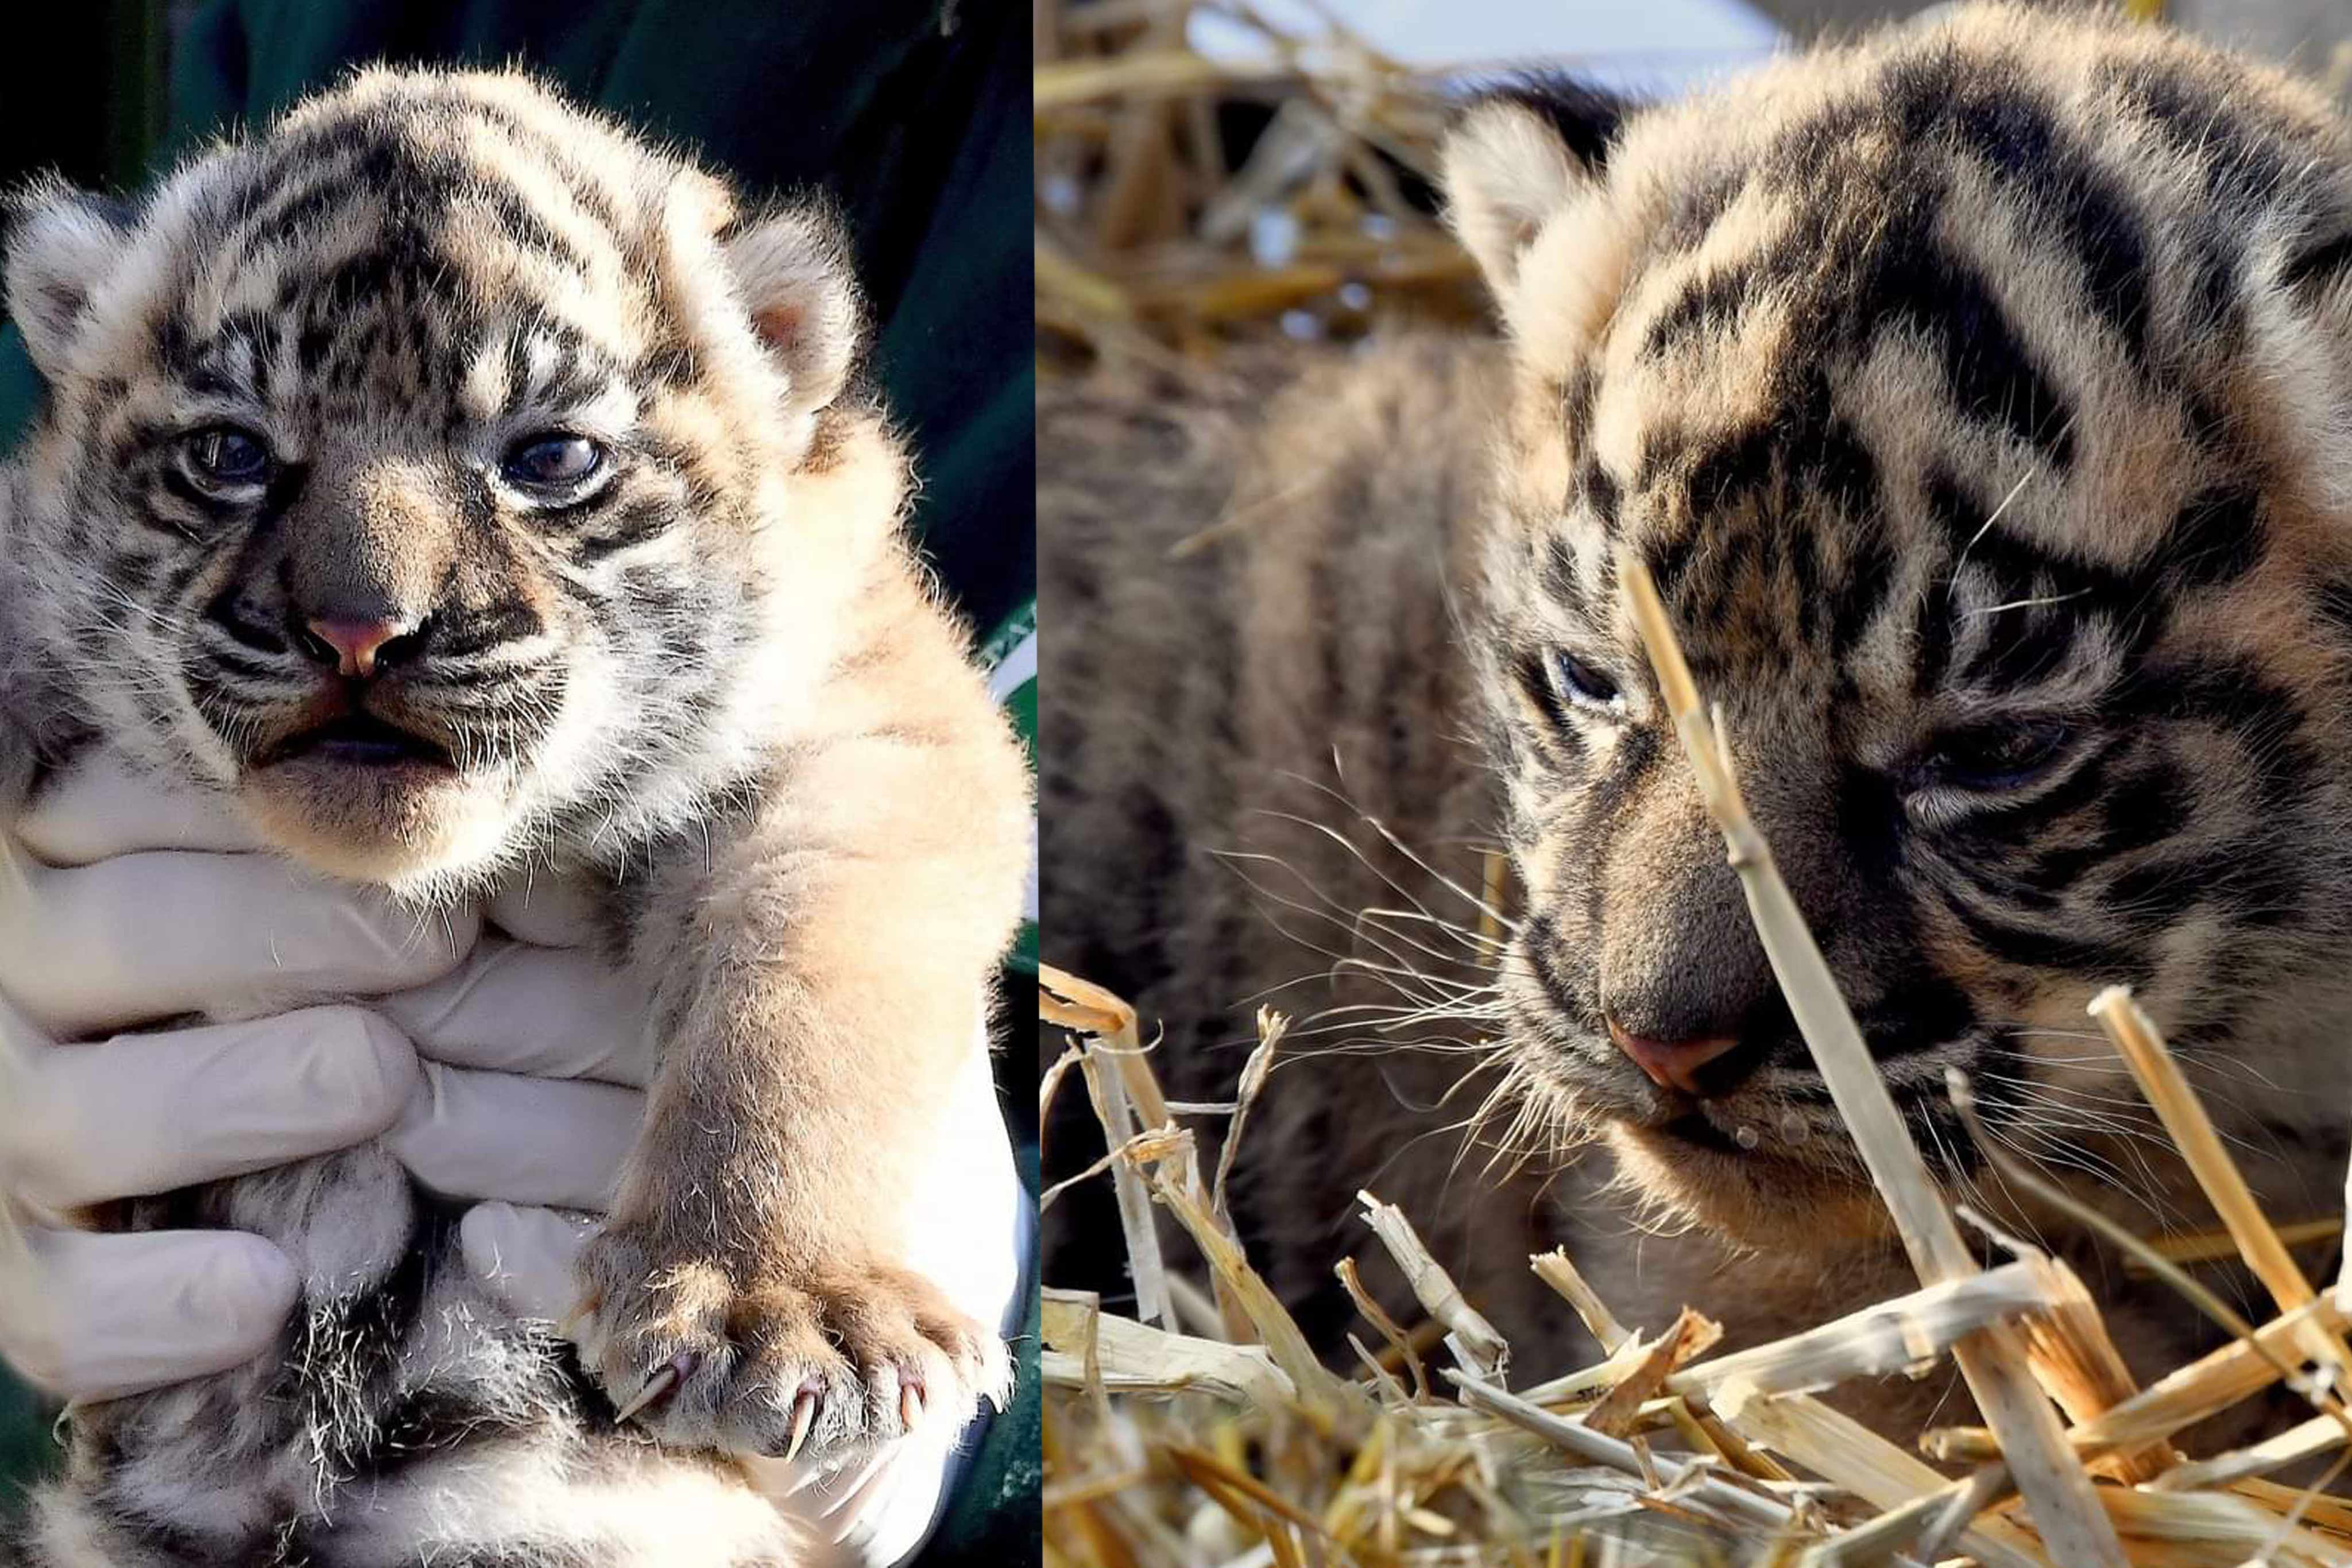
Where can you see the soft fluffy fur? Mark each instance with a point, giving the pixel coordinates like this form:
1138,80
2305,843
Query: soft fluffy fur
715,684
1978,395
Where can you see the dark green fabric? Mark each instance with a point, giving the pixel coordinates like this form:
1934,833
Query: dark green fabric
26,1449
913,116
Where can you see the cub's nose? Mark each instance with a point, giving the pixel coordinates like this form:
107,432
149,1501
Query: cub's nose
356,648
1675,1063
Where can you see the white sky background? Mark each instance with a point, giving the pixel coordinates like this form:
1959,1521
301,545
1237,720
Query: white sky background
1658,46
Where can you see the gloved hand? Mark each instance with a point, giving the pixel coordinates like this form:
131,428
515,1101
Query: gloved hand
115,911
521,1092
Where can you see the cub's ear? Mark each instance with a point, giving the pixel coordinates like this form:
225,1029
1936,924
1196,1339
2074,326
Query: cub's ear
791,270
61,243
1518,155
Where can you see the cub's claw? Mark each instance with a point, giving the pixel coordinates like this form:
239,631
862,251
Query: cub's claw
769,1357
804,1416
910,1399
667,1377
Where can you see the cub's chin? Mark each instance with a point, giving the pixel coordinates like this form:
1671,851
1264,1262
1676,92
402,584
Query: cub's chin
1761,1198
371,804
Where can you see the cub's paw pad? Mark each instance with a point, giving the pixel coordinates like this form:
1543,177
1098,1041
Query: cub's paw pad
792,1361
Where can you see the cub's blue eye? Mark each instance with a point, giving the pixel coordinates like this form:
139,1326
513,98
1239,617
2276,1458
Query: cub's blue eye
1576,684
227,458
556,462
1993,759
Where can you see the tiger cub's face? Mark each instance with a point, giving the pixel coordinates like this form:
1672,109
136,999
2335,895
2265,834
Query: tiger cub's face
440,474
1977,399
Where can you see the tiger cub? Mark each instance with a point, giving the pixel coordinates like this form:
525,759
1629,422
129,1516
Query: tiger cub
1976,394
495,491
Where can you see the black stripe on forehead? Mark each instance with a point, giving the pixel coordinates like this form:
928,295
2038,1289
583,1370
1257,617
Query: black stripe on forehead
377,163
1974,536
1860,590
1576,395
364,164
2216,539
2012,135
2024,645
2244,154
560,161
577,371
1908,280
1793,499
1715,298
1992,375
1851,281
2249,162
2320,266
1801,446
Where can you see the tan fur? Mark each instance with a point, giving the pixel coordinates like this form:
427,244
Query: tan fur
1792,340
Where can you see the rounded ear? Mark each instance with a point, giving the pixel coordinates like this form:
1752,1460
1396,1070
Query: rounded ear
1516,157
792,271
62,245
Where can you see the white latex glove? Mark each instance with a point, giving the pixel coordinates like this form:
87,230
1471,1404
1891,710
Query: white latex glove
527,1096
117,910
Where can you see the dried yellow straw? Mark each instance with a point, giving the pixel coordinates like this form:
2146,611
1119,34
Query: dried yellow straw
1554,1269
2135,1035
1088,1009
2055,1487
1468,1335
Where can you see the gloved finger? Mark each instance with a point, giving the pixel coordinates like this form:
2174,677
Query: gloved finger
963,1216
546,911
876,1506
150,1113
552,1012
523,1255
93,1317
149,935
503,1137
102,807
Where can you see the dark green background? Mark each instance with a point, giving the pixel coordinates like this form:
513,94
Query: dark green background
913,115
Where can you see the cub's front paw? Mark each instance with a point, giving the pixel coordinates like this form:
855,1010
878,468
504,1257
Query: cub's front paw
774,1356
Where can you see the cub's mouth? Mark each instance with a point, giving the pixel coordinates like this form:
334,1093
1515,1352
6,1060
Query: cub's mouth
359,740
358,795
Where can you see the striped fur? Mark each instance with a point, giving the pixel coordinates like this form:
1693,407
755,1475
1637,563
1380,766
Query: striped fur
1977,393
708,680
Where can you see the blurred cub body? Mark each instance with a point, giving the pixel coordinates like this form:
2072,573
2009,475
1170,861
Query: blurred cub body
464,489
1975,394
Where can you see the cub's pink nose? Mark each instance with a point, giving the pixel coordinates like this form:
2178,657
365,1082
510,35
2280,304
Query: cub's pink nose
1670,1063
353,647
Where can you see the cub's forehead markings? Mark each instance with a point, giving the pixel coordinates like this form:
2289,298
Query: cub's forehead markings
544,370
485,214
573,217
287,198
1578,576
